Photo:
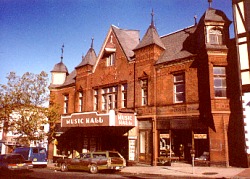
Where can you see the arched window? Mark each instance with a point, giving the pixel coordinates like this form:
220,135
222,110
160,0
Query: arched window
215,36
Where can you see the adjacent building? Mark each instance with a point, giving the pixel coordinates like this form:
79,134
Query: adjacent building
241,13
162,96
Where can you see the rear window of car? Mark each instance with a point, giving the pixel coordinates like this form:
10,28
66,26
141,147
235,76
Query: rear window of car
114,154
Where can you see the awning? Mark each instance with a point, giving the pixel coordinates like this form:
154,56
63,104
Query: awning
92,119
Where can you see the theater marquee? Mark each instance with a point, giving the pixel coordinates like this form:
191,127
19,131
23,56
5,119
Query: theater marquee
90,119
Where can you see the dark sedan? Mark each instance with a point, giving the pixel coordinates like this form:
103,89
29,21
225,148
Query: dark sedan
10,162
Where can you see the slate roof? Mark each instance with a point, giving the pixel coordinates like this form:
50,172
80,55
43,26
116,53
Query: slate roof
60,67
178,45
215,15
128,40
89,59
151,37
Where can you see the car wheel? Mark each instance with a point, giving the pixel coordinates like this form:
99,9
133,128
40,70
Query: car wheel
64,167
93,169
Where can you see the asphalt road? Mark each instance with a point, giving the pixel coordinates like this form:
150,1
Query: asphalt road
44,173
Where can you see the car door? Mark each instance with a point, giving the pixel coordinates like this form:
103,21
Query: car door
85,161
75,163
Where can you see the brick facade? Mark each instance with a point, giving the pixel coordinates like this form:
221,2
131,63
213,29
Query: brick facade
183,115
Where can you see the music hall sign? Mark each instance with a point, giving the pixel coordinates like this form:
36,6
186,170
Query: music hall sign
90,119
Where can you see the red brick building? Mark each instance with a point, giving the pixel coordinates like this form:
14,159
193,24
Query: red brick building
159,97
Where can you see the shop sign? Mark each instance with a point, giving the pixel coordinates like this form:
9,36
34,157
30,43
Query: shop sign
85,120
164,136
94,119
125,119
200,136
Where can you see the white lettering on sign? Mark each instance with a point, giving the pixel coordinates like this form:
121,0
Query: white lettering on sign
94,120
75,121
125,120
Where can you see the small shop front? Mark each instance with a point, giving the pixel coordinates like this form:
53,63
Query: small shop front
178,138
91,131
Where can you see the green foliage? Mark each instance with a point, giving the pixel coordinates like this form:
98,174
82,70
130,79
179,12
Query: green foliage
22,105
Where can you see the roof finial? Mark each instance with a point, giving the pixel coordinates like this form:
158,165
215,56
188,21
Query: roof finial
92,42
152,18
210,3
62,52
195,20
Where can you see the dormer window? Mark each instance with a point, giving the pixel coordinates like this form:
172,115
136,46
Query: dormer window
110,60
215,36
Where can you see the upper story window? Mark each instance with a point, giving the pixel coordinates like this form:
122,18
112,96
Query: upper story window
66,104
80,102
109,98
144,91
179,88
124,95
110,60
96,100
215,36
220,85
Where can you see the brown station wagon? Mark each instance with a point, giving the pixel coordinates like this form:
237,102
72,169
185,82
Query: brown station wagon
93,162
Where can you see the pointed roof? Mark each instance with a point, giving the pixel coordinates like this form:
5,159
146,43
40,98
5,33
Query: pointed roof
214,15
128,40
90,58
151,36
60,67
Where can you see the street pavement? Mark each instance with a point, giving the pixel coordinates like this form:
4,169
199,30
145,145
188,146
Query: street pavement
181,170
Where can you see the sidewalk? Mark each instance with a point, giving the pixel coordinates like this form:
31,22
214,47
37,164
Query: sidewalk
186,170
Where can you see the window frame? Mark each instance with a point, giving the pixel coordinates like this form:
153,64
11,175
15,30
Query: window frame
66,103
109,98
215,36
95,100
124,88
178,83
222,77
80,101
110,60
144,92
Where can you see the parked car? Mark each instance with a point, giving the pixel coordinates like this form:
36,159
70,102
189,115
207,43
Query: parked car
37,155
203,157
10,162
93,162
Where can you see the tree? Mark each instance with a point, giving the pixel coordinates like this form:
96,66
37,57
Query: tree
22,105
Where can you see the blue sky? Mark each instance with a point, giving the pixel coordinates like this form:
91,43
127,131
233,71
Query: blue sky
33,31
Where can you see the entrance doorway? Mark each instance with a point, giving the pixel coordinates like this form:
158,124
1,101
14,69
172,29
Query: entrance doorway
181,144
145,146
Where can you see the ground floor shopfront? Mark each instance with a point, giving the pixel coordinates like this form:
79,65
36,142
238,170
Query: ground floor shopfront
83,132
138,139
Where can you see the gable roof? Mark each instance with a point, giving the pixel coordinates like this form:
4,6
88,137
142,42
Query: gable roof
151,37
178,45
128,40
